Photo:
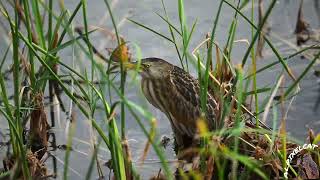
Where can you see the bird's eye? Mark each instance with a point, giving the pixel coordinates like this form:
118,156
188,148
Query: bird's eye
146,65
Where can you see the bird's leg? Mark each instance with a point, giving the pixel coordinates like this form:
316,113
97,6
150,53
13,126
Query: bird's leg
178,141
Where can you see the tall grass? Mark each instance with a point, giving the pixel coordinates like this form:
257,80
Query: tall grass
36,44
205,75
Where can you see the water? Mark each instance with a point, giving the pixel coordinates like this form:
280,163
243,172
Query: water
301,114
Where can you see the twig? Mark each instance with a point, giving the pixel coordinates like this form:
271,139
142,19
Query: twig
226,91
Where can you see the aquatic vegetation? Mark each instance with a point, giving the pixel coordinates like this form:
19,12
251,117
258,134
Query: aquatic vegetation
45,94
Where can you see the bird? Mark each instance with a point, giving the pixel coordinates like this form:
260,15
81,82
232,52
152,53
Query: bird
177,94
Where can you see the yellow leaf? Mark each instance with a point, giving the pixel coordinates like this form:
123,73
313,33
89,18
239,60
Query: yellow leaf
202,126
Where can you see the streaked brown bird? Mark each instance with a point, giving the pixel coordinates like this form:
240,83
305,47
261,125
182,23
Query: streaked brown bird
177,94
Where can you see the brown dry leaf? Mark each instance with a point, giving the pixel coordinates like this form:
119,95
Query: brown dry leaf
121,53
311,135
277,167
38,127
55,40
148,143
259,152
302,25
263,143
302,31
128,159
276,163
218,64
271,166
227,75
210,168
265,30
37,169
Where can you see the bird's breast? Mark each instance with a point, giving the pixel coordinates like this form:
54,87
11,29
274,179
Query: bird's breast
159,94
153,91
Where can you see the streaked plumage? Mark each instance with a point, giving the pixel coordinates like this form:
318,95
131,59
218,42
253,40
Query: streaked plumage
177,94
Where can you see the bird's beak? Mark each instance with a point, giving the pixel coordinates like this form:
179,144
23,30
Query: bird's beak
133,66
130,65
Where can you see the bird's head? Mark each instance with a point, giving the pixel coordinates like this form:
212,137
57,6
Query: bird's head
153,68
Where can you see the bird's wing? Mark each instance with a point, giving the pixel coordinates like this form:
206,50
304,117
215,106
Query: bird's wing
186,86
188,91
